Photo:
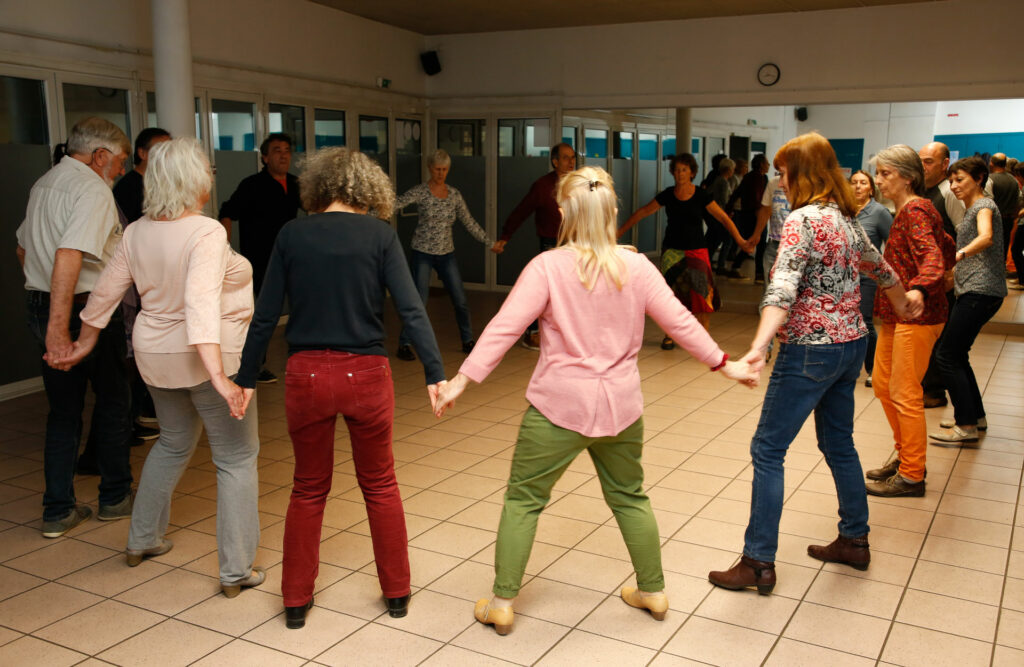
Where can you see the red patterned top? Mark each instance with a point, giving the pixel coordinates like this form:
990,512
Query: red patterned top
817,276
920,251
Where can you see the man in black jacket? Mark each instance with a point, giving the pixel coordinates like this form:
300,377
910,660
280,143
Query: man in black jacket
262,204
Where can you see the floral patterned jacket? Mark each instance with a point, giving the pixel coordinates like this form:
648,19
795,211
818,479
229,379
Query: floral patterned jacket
433,234
921,252
817,276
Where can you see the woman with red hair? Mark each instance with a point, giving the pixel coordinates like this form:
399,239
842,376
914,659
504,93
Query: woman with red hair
813,304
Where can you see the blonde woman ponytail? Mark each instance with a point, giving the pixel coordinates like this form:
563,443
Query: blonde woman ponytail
589,224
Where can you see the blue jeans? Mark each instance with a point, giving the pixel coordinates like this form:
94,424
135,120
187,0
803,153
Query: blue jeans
106,369
868,287
447,268
806,378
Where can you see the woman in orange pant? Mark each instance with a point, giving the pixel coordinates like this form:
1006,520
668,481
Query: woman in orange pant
920,252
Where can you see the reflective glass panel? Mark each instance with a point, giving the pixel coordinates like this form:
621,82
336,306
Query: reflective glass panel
328,127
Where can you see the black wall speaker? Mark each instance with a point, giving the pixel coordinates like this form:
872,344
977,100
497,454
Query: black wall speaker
431,63
801,113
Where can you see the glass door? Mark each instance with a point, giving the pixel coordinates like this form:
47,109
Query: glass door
524,155
464,141
408,172
235,149
646,238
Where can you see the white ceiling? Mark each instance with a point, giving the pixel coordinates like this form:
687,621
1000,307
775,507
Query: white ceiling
440,17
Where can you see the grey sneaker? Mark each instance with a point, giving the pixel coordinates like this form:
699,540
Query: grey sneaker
896,487
60,526
950,423
122,510
956,434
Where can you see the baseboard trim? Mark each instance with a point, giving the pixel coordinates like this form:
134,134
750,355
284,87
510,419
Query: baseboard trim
21,388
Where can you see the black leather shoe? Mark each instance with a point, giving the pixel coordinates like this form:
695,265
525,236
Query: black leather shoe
295,617
398,607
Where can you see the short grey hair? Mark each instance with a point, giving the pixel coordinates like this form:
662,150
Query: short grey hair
725,165
91,134
906,162
176,180
439,158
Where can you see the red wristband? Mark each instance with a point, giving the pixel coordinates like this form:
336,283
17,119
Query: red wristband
719,366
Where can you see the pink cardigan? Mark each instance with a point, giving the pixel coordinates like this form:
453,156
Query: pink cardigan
586,379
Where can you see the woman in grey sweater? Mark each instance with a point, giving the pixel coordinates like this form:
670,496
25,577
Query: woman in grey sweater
980,288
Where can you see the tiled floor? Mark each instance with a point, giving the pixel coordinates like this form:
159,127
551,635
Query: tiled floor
946,586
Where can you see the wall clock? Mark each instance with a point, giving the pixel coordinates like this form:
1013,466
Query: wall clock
768,74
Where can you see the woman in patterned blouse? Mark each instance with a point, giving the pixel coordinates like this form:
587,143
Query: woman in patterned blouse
813,303
432,247
920,252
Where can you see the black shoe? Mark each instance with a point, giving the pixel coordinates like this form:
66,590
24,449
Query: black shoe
398,607
405,353
145,432
733,274
295,617
266,377
468,347
935,401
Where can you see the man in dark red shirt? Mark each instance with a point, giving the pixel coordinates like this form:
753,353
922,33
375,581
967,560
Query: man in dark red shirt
540,201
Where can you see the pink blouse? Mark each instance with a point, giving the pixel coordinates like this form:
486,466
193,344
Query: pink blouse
194,289
586,379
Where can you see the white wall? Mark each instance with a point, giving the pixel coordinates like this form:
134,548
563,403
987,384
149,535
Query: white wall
677,63
979,116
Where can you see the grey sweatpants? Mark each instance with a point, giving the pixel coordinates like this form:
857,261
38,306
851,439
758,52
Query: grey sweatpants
234,445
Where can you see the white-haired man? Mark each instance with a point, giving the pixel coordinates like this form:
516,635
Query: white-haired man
70,230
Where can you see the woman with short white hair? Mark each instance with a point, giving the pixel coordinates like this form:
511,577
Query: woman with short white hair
196,296
439,205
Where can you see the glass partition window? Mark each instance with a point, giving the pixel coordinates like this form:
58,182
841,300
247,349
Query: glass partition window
569,135
526,136
408,154
328,127
292,121
23,109
151,114
82,101
373,139
233,125
461,137
622,144
595,143
646,190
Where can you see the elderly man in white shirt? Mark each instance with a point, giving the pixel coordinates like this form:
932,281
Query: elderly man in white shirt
70,231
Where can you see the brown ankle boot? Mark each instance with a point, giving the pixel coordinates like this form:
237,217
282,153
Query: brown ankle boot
852,551
746,573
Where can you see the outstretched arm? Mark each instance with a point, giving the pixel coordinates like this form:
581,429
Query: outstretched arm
638,215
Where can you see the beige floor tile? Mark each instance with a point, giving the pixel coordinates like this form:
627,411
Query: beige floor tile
240,652
971,530
562,532
35,608
453,656
21,540
324,628
958,582
861,635
529,640
886,568
188,546
789,653
13,582
590,571
234,616
60,558
767,613
480,515
454,540
977,508
387,646
7,636
32,652
605,541
964,554
112,576
718,643
582,508
949,615
171,593
1013,595
433,615
909,645
541,556
555,601
600,651
170,643
469,581
854,594
711,533
356,595
1011,629
347,550
415,474
110,534
974,488
1007,657
694,559
436,505
469,486
99,627
426,565
342,514
896,541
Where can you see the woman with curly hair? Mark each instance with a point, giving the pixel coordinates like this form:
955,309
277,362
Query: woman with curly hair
335,266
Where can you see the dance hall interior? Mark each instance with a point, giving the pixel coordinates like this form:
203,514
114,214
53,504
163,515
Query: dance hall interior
485,92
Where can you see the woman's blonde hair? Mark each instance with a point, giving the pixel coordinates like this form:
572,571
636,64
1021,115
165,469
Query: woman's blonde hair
813,175
589,224
349,177
176,180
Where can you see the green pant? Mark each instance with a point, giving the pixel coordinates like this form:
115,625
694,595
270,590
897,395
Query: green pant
543,452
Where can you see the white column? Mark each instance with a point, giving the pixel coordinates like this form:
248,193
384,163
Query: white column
684,136
172,67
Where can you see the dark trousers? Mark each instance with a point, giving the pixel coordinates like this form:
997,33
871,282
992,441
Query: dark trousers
318,387
106,370
968,316
868,287
1017,252
933,383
